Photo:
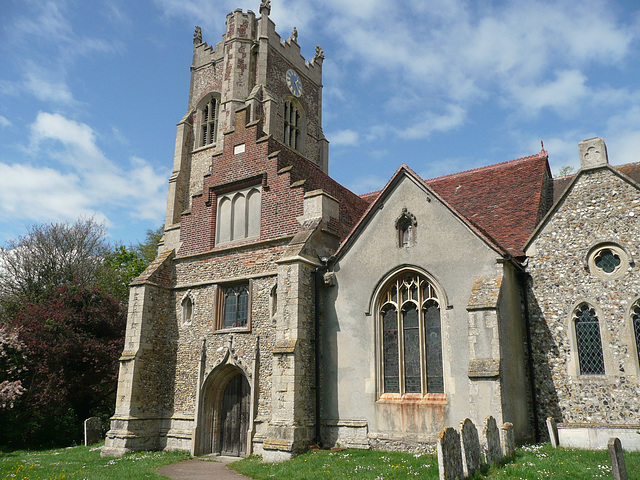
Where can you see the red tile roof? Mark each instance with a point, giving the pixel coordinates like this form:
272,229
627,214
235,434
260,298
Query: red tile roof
505,200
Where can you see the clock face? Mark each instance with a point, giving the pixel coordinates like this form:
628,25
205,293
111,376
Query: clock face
294,83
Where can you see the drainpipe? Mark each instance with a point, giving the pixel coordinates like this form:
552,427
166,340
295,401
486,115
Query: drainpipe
318,279
523,277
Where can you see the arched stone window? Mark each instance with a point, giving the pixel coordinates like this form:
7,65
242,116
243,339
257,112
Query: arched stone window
187,309
293,124
238,215
588,340
635,321
411,339
207,120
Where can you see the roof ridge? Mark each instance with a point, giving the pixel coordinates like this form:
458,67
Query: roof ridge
541,154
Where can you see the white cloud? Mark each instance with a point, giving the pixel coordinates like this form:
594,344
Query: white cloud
40,194
452,118
344,138
43,87
4,122
78,139
81,180
562,94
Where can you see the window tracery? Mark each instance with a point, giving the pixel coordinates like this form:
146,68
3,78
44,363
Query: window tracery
410,324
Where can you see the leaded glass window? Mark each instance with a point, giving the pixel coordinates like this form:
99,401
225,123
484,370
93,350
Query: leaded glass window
235,300
390,350
635,319
607,261
589,342
411,336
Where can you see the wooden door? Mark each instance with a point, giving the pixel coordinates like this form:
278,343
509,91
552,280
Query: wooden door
235,417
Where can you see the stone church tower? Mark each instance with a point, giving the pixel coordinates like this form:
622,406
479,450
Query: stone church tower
283,310
220,346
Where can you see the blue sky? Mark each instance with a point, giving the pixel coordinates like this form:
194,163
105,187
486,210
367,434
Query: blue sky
91,91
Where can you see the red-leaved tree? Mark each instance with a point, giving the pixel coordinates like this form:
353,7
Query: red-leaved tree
72,339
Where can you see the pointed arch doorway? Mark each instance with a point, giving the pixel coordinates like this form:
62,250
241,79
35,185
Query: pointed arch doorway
225,413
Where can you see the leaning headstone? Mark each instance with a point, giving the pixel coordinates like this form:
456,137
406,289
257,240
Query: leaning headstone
508,440
553,432
92,430
449,454
470,446
492,450
618,467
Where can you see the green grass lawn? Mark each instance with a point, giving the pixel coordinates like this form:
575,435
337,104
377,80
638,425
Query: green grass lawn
83,463
531,463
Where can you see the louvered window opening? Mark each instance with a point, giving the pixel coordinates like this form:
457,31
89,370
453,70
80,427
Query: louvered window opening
236,306
607,260
291,125
589,342
635,319
209,122
411,336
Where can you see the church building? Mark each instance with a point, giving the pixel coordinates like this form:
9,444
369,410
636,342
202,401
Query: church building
283,310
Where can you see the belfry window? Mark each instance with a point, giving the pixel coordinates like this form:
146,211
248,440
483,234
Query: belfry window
292,124
410,325
587,328
207,121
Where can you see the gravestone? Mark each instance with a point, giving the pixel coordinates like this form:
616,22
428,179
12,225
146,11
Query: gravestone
492,450
618,466
470,446
553,432
508,440
92,430
449,454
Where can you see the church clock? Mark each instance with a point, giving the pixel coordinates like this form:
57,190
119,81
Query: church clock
294,83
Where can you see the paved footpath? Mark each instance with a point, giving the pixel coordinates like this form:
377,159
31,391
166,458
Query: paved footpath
202,468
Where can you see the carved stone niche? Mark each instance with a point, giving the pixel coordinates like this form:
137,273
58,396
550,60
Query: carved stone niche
406,225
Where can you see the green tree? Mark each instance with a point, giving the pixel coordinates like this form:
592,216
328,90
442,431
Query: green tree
148,248
566,170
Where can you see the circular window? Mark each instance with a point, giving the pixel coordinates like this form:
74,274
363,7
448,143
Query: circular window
607,261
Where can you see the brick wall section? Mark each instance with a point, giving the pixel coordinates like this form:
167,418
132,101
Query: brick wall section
598,208
265,161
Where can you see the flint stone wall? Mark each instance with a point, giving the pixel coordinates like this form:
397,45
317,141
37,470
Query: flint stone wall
599,207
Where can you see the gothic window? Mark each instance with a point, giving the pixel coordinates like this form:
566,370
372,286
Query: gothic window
238,216
406,225
292,124
635,320
187,309
410,326
589,343
235,306
207,121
